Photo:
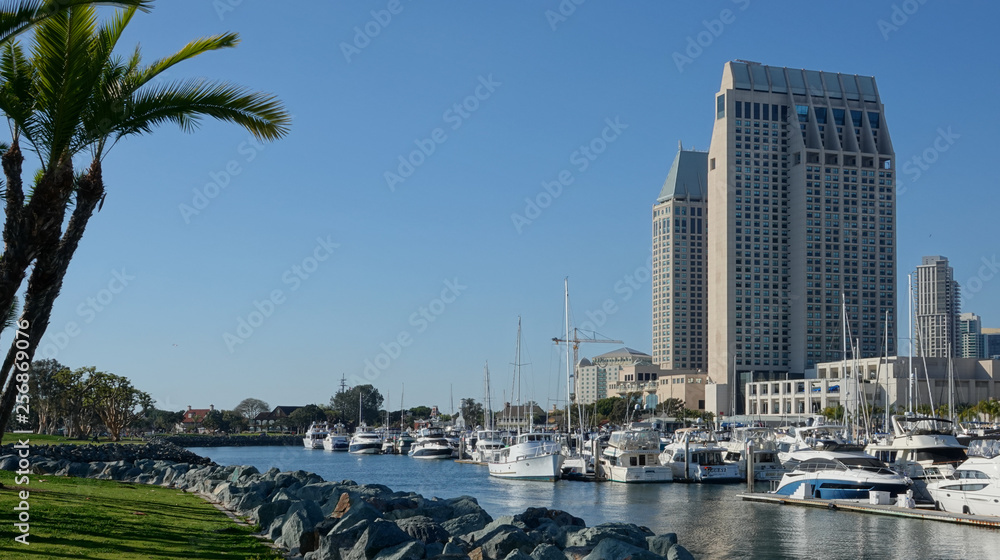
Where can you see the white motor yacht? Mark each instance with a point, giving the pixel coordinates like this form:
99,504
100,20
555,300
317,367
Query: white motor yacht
633,456
695,455
365,442
314,436
974,487
488,444
431,444
336,442
533,456
766,465
839,475
922,448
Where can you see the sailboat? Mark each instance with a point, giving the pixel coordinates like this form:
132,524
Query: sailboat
489,441
534,455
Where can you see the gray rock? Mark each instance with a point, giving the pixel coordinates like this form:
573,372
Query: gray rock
433,550
247,502
297,534
8,463
625,532
424,529
534,517
413,550
313,514
467,523
678,552
546,551
518,555
660,544
505,539
379,535
614,549
267,513
319,492
339,540
454,548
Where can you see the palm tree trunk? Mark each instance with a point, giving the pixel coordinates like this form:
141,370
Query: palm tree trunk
47,279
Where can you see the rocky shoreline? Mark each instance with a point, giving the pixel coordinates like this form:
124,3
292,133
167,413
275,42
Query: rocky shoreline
314,519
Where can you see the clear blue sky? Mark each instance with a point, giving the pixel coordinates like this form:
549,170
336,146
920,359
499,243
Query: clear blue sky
391,248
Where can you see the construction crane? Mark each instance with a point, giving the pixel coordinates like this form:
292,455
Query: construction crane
576,340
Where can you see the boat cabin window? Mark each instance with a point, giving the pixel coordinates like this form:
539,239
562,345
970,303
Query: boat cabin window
972,474
942,455
817,464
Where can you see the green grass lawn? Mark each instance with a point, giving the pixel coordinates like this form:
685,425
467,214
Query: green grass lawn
83,518
42,439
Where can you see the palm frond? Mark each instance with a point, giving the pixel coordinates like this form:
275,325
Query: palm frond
186,102
66,77
16,16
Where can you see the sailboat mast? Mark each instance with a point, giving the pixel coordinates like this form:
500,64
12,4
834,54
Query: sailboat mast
569,368
909,298
887,378
843,355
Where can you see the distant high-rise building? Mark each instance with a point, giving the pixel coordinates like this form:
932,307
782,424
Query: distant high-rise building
991,342
970,336
937,309
802,213
679,266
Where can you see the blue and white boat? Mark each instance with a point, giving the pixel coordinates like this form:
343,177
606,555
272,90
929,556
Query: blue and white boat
365,442
839,475
431,444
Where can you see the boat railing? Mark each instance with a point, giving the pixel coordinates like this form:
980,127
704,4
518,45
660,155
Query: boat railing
814,467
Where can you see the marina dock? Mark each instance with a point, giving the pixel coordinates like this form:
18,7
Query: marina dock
861,507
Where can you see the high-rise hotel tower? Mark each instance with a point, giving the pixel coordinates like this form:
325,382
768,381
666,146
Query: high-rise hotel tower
802,217
680,235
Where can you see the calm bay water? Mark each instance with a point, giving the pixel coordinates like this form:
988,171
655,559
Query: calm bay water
709,520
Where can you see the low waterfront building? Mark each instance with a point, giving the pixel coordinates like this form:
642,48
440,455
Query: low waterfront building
879,381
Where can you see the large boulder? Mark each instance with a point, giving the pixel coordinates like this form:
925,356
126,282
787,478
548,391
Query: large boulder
505,539
297,534
267,513
424,529
546,551
678,552
413,550
379,535
614,549
467,523
625,532
660,544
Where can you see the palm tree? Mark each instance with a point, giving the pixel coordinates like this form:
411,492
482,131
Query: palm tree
118,100
26,226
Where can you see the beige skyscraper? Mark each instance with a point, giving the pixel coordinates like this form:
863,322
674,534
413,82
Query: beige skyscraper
937,309
679,264
802,213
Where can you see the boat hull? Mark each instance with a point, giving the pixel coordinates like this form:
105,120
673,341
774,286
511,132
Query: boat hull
831,487
430,453
365,448
638,474
539,467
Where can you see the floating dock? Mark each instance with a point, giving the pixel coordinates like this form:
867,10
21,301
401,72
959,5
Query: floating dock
862,507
